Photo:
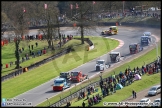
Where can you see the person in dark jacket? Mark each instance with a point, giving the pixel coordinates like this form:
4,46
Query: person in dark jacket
133,92
83,104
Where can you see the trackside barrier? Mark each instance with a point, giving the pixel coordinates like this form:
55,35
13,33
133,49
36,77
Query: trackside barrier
77,93
21,70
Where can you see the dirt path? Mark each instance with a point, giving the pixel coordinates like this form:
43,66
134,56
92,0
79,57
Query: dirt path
143,94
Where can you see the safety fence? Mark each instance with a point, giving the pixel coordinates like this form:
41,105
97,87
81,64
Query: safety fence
84,89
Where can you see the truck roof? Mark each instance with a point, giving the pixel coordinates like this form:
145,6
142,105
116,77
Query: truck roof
112,26
133,44
147,33
60,79
114,52
144,36
75,71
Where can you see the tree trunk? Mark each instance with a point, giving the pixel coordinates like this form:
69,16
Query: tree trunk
17,42
82,28
52,46
82,35
49,43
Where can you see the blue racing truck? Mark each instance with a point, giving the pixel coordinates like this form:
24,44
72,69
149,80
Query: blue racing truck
145,40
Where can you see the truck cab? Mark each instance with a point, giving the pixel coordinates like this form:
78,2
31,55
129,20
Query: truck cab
113,30
149,35
100,65
135,48
65,75
60,84
115,57
145,40
78,76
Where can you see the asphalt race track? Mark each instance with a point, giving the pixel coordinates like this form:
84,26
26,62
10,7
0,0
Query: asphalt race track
126,34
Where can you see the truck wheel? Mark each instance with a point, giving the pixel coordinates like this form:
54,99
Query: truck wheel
86,77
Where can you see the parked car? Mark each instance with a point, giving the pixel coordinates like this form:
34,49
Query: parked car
156,102
145,100
154,90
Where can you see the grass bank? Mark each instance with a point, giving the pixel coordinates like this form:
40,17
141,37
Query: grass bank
148,57
37,76
8,54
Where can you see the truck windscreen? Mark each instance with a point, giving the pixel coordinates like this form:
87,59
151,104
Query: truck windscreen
100,62
113,55
74,73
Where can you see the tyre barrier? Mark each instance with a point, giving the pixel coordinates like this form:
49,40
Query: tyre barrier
77,93
37,64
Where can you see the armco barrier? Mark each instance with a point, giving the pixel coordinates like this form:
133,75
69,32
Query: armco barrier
76,94
20,71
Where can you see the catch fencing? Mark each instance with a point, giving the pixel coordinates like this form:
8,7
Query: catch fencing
84,89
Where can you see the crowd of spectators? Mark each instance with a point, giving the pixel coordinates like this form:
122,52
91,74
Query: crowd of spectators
32,49
108,86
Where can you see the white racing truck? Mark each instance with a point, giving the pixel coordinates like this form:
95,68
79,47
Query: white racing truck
100,65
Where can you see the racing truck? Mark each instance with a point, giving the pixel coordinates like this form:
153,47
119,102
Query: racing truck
113,30
149,35
100,65
145,40
66,75
115,57
60,84
135,48
78,76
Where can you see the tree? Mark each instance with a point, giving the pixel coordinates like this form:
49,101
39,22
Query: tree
19,22
83,16
50,15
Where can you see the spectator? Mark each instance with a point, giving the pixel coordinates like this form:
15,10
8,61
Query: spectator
133,92
22,48
29,47
30,52
114,87
20,51
36,44
23,59
11,64
89,102
83,104
32,46
68,104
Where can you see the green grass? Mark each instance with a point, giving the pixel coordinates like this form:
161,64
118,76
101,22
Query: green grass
148,57
9,56
37,76
126,92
